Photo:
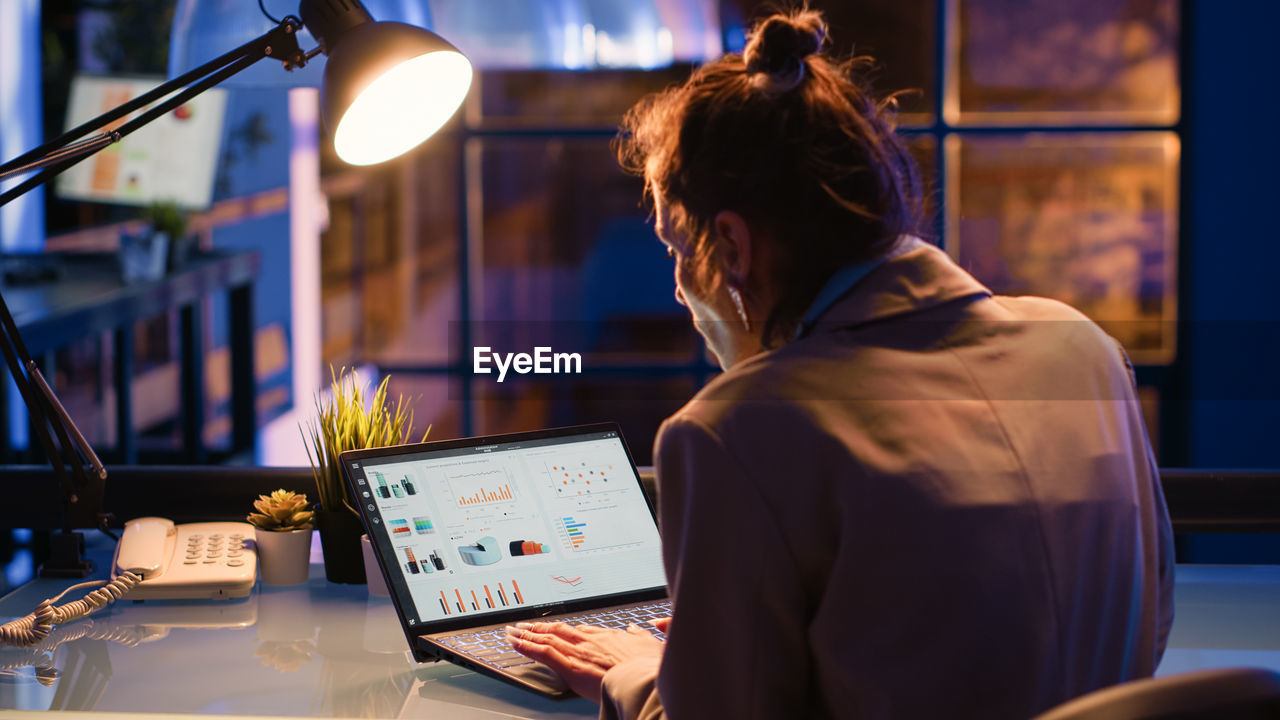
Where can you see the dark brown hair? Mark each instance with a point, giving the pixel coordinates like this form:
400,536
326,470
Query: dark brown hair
790,139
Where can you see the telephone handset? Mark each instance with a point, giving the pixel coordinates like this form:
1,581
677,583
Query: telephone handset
214,560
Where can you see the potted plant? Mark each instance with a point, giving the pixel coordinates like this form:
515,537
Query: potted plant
282,522
347,422
169,219
161,245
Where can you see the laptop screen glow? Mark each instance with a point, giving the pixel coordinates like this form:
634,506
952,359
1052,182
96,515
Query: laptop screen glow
504,526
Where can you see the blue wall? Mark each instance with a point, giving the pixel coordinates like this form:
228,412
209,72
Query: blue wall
255,158
1231,299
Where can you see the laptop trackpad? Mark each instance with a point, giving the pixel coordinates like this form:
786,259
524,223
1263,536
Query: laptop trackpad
539,676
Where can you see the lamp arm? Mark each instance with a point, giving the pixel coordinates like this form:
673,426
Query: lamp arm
57,155
152,95
64,422
18,359
76,149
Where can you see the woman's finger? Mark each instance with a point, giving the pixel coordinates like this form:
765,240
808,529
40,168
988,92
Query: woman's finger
585,653
548,655
564,630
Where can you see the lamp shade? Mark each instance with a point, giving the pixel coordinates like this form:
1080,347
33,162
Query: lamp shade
389,86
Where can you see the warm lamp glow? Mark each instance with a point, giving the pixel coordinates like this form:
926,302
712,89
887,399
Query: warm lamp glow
401,108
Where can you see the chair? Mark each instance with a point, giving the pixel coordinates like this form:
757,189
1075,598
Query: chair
1218,694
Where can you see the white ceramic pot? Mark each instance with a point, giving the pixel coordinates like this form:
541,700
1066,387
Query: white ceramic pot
284,558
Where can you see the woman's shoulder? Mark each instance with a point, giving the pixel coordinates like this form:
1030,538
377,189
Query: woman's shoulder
767,388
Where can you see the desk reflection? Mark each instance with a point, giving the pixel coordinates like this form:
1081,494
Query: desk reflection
314,650
320,650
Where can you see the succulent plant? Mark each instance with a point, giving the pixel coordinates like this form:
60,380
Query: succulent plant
348,422
281,511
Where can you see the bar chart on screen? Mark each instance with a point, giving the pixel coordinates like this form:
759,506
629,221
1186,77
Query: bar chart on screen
580,533
481,486
484,597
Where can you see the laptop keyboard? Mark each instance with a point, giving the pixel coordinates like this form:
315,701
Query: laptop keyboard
492,648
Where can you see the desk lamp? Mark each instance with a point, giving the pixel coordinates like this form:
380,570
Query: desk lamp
387,87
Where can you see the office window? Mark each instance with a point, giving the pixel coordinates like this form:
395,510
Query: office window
1047,132
1048,62
1089,219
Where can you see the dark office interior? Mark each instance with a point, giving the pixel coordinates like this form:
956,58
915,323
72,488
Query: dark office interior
1113,155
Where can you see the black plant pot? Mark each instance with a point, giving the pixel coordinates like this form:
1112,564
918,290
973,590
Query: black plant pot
340,532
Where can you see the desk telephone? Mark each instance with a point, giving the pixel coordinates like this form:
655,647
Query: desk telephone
213,560
154,559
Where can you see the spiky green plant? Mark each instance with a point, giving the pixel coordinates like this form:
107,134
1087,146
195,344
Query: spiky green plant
167,216
347,422
281,511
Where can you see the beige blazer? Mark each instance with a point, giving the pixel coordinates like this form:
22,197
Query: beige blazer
938,503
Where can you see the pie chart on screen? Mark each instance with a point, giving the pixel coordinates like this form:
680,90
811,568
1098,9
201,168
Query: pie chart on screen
484,552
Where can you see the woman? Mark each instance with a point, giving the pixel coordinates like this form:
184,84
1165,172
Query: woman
904,497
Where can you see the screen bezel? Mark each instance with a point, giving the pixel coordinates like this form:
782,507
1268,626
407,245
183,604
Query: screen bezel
399,589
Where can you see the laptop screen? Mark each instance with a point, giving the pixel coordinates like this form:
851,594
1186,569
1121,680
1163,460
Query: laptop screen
467,528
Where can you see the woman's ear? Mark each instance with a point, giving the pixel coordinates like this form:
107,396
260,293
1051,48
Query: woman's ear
735,243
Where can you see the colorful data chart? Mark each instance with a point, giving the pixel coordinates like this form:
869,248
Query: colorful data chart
399,490
399,526
485,597
482,487
412,565
436,561
569,585
574,530
384,492
518,548
603,535
501,493
582,479
484,552
422,525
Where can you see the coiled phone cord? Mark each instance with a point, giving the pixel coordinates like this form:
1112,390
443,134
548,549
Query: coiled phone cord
41,660
33,628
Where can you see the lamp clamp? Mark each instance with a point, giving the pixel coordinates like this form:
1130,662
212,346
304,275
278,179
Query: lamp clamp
283,44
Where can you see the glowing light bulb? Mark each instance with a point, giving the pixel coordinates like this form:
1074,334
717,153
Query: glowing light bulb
403,107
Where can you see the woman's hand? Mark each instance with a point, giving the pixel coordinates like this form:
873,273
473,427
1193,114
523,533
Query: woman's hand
582,654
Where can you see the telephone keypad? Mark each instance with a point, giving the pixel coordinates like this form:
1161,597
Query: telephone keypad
212,550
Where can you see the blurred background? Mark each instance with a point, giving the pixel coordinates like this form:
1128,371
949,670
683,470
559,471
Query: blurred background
1107,153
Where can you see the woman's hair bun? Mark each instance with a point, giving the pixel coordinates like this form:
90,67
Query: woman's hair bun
779,44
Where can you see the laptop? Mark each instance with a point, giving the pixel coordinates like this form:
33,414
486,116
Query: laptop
475,534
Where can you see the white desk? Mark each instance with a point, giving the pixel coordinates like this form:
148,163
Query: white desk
313,650
323,650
